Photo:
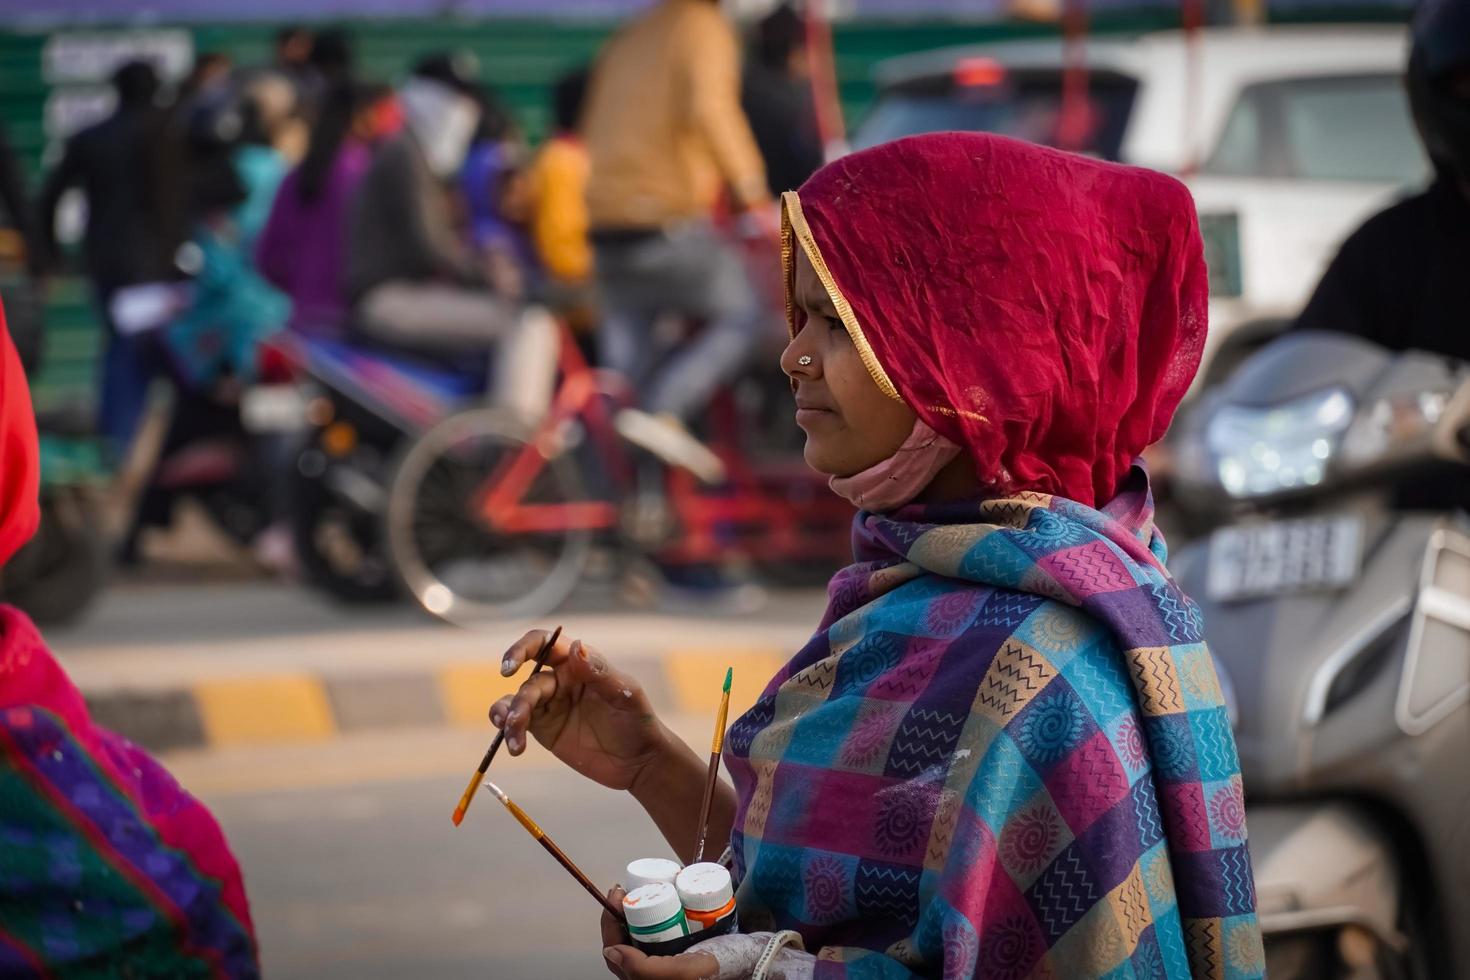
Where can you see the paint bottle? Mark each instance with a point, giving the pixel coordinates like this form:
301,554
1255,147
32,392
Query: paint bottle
655,917
708,895
646,871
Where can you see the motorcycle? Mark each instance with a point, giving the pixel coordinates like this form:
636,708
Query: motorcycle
360,406
1335,591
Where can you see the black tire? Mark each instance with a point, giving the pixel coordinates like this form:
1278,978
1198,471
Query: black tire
453,565
60,571
339,545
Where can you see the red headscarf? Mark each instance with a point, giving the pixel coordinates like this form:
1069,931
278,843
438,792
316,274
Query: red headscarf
20,455
1043,310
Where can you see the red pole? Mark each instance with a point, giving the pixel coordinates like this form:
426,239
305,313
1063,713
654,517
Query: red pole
1076,123
822,67
1192,13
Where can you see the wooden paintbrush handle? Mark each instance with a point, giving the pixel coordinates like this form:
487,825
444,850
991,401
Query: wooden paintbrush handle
709,796
576,872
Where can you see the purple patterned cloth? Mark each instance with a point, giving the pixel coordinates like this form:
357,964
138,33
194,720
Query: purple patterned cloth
1004,754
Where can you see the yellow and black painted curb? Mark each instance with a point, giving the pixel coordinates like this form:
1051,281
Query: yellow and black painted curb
306,707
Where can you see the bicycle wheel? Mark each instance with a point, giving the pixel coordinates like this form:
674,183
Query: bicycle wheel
451,561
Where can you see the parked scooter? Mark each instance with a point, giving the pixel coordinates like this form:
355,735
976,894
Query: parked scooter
1336,599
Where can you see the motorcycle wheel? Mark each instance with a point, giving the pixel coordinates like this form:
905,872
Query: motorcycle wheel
339,546
55,577
456,567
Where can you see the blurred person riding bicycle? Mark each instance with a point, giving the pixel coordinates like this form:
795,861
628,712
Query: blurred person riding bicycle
666,134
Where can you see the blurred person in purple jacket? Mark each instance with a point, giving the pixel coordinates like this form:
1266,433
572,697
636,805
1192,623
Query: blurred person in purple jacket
302,250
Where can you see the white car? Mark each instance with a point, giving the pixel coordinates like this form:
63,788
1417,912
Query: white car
1288,136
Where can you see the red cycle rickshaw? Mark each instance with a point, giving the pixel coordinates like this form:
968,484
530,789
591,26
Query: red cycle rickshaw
487,519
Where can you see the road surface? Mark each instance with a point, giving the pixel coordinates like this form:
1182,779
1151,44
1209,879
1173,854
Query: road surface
351,862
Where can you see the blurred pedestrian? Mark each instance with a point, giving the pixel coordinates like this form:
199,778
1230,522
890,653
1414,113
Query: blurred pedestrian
333,58
555,199
216,339
196,172
330,64
109,867
303,247
414,281
777,96
494,163
665,134
212,346
294,44
131,233
1400,280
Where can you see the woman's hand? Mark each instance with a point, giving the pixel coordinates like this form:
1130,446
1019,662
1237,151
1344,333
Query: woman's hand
593,718
631,963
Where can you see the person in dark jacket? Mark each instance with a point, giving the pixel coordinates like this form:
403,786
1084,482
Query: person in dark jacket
128,237
1400,280
776,93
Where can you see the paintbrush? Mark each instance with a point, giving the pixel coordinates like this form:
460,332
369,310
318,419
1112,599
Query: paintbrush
555,851
714,766
469,791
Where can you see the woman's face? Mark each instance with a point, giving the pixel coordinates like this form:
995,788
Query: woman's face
850,424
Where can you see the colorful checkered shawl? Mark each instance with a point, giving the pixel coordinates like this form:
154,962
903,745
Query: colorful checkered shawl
107,867
1004,754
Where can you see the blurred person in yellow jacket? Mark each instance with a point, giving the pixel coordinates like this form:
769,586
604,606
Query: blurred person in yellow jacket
554,207
666,136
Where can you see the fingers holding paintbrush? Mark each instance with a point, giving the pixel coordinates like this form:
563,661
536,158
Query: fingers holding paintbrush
545,645
592,716
542,650
538,646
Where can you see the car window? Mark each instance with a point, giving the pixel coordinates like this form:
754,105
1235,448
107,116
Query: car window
1239,151
1350,127
1025,105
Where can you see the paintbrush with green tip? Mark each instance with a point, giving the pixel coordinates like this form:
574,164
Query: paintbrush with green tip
714,766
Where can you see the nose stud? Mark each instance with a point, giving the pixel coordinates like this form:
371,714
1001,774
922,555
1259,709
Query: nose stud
804,360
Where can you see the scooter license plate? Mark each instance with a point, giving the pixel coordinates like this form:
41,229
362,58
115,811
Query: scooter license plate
1311,554
273,408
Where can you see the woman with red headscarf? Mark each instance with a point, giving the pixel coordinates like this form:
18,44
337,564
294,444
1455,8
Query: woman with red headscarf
107,867
1005,752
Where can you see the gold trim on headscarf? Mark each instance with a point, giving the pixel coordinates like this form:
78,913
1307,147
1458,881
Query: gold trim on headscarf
794,226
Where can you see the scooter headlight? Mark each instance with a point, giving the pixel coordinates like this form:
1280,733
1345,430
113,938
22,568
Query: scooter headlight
1262,451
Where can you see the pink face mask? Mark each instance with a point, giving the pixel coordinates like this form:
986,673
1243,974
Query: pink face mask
901,477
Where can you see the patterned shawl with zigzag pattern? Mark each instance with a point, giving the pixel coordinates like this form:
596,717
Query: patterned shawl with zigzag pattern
1004,754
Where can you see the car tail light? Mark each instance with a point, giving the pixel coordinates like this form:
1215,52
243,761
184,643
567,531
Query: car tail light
978,72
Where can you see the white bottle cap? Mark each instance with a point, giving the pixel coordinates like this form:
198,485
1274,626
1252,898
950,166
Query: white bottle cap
651,905
645,871
705,887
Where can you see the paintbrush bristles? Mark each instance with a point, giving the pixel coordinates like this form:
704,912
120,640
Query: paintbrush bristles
522,817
